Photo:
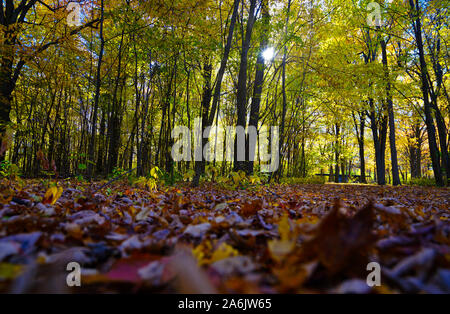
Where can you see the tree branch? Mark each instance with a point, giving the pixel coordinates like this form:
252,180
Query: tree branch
49,7
74,32
22,61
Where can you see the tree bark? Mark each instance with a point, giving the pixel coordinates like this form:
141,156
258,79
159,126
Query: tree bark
199,166
241,101
283,86
390,108
360,125
379,133
431,131
258,86
206,98
91,151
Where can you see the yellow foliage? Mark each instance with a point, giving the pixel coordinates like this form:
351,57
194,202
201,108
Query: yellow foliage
52,195
154,172
10,271
280,248
224,250
143,182
199,252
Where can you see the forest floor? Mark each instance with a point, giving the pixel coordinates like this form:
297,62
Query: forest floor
265,239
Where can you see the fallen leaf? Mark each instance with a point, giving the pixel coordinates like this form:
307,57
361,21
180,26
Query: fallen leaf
52,195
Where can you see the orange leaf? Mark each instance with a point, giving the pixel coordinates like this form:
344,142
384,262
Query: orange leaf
251,208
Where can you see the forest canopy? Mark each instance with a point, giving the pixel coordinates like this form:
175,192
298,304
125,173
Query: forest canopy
358,90
224,146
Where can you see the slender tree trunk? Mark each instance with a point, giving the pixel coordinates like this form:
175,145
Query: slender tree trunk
360,130
434,52
114,121
206,98
223,63
434,151
394,161
415,151
91,151
241,101
209,116
283,86
336,153
379,133
258,86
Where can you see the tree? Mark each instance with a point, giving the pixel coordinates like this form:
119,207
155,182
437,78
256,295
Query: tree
257,85
241,95
97,96
431,130
13,18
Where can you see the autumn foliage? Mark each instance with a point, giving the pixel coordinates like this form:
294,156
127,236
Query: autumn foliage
278,239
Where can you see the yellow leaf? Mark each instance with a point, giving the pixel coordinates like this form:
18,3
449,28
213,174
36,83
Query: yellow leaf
52,195
9,271
280,248
199,252
283,228
222,252
154,172
199,255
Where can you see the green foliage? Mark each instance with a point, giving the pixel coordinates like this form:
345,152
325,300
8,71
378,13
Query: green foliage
421,182
117,172
81,166
189,175
330,81
8,170
211,171
156,176
79,178
307,180
146,183
239,180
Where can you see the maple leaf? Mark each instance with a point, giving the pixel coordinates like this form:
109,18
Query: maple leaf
342,241
317,247
52,195
280,248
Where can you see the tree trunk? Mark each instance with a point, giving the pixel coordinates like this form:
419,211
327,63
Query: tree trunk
241,101
394,161
379,134
336,153
258,87
431,131
360,129
283,86
206,98
115,119
91,150
199,166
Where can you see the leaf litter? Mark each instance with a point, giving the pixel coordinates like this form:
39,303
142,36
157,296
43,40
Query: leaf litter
277,239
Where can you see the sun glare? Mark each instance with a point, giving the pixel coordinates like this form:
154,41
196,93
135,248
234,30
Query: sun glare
268,54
